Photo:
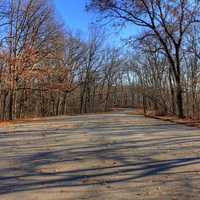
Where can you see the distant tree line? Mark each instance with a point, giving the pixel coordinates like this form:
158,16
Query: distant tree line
47,70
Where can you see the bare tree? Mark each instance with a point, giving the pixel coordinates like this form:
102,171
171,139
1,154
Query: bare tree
168,21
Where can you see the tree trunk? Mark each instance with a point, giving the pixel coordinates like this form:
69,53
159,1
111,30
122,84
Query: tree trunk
179,100
144,104
172,93
10,115
4,105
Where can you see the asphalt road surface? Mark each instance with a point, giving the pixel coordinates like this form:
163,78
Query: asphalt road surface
114,156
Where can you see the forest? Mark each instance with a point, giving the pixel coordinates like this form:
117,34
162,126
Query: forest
99,100
48,70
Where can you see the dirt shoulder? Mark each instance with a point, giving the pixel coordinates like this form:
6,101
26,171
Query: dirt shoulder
174,119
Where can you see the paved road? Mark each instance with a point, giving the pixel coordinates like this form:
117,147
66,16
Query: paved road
115,156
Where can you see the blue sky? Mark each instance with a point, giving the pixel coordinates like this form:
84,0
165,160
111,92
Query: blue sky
74,14
76,18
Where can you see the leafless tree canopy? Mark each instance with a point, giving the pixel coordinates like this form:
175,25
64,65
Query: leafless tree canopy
46,70
165,66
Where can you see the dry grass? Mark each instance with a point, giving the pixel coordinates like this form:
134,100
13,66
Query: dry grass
21,121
